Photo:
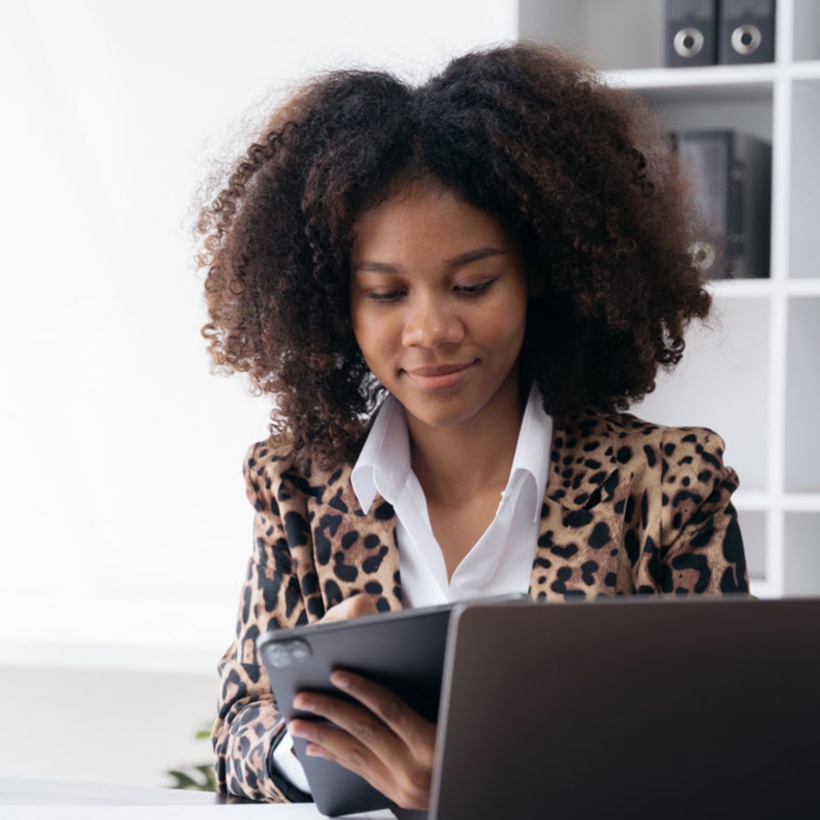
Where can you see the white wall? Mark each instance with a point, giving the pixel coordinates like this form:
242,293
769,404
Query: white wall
105,726
123,521
121,454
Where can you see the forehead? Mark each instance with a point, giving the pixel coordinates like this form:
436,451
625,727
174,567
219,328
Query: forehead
421,219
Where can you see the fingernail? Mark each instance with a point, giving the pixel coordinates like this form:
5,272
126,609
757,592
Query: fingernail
297,730
340,679
304,702
314,751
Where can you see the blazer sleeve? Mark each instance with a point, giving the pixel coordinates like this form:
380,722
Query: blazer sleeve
701,549
248,722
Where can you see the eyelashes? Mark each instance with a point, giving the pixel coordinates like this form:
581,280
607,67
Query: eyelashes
475,290
465,291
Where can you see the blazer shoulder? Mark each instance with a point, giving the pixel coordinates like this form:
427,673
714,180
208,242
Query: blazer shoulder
626,431
273,475
588,447
273,470
681,445
265,457
684,462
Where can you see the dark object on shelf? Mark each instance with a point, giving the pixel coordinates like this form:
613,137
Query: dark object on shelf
691,33
746,31
730,174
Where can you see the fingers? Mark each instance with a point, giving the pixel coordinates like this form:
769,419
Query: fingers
332,743
354,607
359,723
379,738
412,729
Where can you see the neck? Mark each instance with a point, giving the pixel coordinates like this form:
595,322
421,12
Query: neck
461,463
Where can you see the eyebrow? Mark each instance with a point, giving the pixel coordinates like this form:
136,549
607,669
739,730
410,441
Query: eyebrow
452,264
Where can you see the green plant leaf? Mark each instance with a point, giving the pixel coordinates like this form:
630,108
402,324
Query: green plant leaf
183,781
201,778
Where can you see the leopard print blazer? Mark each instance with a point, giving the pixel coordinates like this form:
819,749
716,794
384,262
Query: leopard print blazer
629,508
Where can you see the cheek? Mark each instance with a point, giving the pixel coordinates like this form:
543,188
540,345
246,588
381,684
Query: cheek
372,334
358,321
504,327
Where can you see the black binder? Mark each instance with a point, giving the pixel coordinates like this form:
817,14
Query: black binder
691,33
730,175
746,31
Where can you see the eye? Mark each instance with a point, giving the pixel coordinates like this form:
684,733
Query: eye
475,290
384,297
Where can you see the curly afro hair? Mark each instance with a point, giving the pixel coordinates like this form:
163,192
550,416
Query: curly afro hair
580,171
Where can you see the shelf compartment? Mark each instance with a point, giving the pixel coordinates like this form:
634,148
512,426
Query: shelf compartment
805,180
763,589
626,34
721,383
753,528
750,113
806,30
802,555
803,396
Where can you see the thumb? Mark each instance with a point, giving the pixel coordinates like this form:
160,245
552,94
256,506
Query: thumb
354,607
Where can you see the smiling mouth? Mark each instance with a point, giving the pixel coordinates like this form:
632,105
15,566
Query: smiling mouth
440,376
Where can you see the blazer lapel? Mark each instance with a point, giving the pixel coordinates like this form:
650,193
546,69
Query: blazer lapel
575,553
354,552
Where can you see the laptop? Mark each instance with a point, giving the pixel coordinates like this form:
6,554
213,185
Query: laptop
632,707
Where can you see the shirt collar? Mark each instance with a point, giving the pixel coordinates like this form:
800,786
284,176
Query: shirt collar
384,462
383,466
532,452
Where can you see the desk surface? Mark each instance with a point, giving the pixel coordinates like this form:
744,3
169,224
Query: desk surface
36,799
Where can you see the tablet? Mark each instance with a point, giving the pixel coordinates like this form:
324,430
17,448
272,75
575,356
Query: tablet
402,650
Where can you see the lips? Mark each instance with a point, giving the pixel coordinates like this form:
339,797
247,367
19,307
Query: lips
441,376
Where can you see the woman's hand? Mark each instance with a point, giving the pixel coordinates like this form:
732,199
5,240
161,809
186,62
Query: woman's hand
383,740
354,607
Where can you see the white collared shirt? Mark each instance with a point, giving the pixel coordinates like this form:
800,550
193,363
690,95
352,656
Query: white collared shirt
499,562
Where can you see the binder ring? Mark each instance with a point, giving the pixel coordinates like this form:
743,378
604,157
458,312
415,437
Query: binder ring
746,39
688,42
703,254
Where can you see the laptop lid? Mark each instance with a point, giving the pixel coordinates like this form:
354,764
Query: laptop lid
631,707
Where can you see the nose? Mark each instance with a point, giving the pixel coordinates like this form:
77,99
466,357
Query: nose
431,322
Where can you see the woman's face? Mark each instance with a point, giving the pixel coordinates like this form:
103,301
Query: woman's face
438,304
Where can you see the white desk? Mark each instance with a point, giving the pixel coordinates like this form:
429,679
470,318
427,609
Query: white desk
34,799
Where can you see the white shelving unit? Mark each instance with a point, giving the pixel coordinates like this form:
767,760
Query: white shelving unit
755,375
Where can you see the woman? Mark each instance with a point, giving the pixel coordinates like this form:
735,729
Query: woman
452,293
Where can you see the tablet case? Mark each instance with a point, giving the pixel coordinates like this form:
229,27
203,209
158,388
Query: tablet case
403,651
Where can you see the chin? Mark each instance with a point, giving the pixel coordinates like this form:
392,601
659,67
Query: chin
442,416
